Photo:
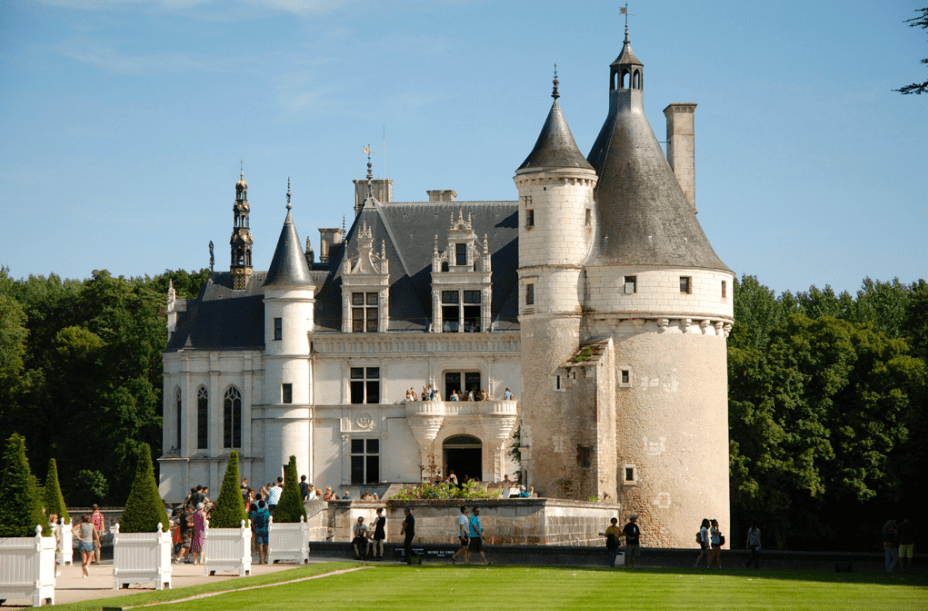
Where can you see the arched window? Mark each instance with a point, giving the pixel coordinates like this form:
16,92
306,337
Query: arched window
625,79
232,419
180,415
637,78
202,419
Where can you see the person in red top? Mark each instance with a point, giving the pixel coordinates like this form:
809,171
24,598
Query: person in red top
97,519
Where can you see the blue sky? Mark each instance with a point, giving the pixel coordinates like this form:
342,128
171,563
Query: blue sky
122,123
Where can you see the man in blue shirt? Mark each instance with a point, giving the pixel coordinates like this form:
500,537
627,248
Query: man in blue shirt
476,537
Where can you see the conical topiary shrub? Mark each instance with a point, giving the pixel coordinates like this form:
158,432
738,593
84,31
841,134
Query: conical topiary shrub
290,508
54,500
20,508
230,507
144,508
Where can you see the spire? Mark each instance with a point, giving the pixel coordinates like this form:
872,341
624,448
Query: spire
289,266
241,241
555,147
370,175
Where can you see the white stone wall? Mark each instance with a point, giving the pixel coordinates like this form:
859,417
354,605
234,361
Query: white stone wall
658,292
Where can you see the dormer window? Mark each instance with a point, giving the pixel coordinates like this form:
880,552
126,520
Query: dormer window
460,254
364,312
365,287
461,276
461,311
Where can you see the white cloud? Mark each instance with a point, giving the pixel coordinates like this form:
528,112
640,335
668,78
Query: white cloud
111,60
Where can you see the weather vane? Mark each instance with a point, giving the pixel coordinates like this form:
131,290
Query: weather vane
623,10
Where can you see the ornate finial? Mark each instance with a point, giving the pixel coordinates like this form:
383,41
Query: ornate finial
308,247
288,194
241,173
212,260
555,94
370,175
343,223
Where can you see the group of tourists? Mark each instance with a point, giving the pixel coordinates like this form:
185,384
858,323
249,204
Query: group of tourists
368,544
632,535
898,545
431,394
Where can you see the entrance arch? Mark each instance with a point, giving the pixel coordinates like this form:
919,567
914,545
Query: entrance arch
463,454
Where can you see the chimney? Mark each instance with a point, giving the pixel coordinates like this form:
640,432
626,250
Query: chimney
328,237
382,188
442,195
681,147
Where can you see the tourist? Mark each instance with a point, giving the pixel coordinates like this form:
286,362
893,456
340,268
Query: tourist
185,524
506,487
632,540
346,496
244,486
304,488
56,531
273,495
87,535
475,543
508,395
410,395
753,544
704,538
452,478
522,492
361,540
329,495
380,534
463,530
408,531
199,532
716,552
176,539
260,520
906,544
612,534
98,521
455,396
484,395
890,545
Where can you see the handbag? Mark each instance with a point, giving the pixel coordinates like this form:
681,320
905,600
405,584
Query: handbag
721,539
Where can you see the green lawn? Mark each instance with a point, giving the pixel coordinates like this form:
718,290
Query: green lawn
537,588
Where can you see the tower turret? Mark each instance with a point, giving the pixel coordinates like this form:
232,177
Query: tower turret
241,240
289,297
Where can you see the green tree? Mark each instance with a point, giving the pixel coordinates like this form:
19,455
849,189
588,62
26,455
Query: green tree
757,311
230,506
921,21
187,284
21,510
144,508
54,500
290,508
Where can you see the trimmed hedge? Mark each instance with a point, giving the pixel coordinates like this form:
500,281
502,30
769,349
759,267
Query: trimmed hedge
144,508
54,500
230,506
21,507
290,508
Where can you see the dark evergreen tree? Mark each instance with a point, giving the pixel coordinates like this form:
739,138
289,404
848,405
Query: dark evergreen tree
54,500
21,508
144,508
290,508
230,507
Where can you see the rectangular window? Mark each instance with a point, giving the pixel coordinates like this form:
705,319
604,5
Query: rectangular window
589,217
463,382
685,284
365,461
585,457
460,254
626,376
364,312
278,328
286,393
529,218
629,474
631,285
364,385
529,294
724,289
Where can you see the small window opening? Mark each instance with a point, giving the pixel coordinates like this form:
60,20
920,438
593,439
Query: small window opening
589,217
685,284
585,457
460,254
529,218
629,474
631,285
625,376
724,289
278,328
529,294
286,393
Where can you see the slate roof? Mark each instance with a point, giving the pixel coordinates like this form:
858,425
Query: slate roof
288,266
409,230
643,217
556,147
220,318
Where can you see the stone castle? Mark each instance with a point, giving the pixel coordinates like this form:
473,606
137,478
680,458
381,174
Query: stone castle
595,298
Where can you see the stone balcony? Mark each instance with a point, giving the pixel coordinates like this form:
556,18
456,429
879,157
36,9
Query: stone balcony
504,409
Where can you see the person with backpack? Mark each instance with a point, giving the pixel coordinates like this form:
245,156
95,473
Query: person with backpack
612,534
703,538
260,521
753,544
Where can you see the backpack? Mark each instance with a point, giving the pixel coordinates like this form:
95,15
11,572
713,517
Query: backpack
721,539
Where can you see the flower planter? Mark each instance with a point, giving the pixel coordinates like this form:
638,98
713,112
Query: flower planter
27,568
228,549
288,542
67,542
141,558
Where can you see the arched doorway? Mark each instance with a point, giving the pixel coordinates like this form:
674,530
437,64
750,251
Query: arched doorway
463,454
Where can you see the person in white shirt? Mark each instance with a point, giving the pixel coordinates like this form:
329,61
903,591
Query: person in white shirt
273,495
361,541
704,543
463,529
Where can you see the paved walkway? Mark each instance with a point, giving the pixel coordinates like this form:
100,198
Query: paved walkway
70,587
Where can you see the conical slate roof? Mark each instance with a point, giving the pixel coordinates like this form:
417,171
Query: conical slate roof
556,147
288,267
627,56
643,215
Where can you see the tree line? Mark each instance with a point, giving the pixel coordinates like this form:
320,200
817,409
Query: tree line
827,396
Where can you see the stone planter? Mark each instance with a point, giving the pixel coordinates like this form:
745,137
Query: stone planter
27,568
228,549
67,542
288,542
141,558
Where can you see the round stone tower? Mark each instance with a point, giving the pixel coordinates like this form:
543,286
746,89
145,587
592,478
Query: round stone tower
288,320
555,231
657,288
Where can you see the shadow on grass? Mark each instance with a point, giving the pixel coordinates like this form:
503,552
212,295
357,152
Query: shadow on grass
896,579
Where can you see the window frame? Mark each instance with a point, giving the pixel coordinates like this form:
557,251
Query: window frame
232,408
365,312
688,280
361,386
278,329
286,393
367,458
202,418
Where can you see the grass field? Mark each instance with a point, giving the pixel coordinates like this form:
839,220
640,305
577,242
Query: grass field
393,587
